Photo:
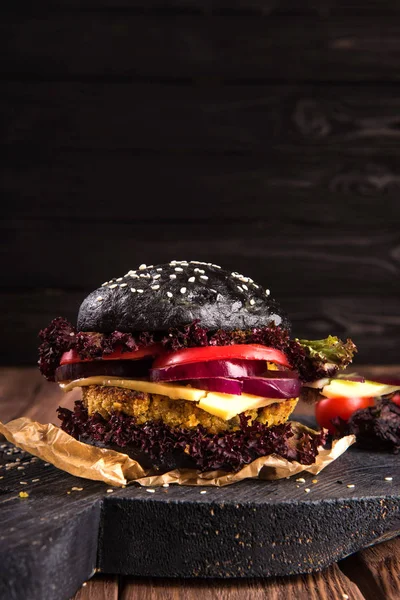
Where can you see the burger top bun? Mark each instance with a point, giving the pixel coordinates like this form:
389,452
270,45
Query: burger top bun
156,298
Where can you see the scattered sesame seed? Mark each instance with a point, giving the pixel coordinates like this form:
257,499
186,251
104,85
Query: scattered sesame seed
314,481
23,483
142,266
215,291
307,490
119,279
35,480
76,489
239,288
99,298
267,292
204,277
156,276
143,275
123,284
388,478
20,468
216,266
114,285
192,279
84,584
169,294
252,301
23,495
155,287
139,291
133,290
183,290
178,269
165,485
3,446
151,491
68,492
135,276
159,269
103,284
110,491
202,271
351,485
203,492
345,596
244,286
300,480
255,285
173,276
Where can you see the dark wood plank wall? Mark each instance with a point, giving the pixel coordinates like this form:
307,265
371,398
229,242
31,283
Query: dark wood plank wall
261,135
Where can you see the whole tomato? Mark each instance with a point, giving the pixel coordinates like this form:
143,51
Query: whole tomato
396,398
329,408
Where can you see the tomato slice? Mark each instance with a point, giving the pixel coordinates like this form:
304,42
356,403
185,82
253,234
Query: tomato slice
72,356
330,408
236,351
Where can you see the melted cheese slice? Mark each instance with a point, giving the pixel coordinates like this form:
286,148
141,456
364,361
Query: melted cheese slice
225,406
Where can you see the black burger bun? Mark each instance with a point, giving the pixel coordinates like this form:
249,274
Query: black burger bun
160,297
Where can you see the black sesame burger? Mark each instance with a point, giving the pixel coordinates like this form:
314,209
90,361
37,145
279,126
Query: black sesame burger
185,364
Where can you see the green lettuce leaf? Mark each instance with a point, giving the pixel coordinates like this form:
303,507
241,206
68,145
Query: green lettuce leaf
329,355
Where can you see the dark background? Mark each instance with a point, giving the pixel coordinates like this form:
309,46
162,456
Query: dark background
260,135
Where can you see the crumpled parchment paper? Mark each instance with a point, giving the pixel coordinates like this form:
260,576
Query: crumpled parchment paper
55,446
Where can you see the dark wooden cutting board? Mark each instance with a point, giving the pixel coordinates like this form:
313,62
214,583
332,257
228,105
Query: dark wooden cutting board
53,540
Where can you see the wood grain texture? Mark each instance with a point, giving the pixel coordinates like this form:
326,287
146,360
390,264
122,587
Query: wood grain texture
328,189
138,46
24,392
330,584
16,399
100,587
202,118
376,570
47,544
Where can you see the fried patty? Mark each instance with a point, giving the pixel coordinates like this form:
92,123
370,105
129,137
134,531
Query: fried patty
175,413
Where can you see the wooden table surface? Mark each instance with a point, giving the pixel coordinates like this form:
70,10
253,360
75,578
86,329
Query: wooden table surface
372,574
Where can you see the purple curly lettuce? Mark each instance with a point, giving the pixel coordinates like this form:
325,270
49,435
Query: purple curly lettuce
57,338
60,336
208,452
376,427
